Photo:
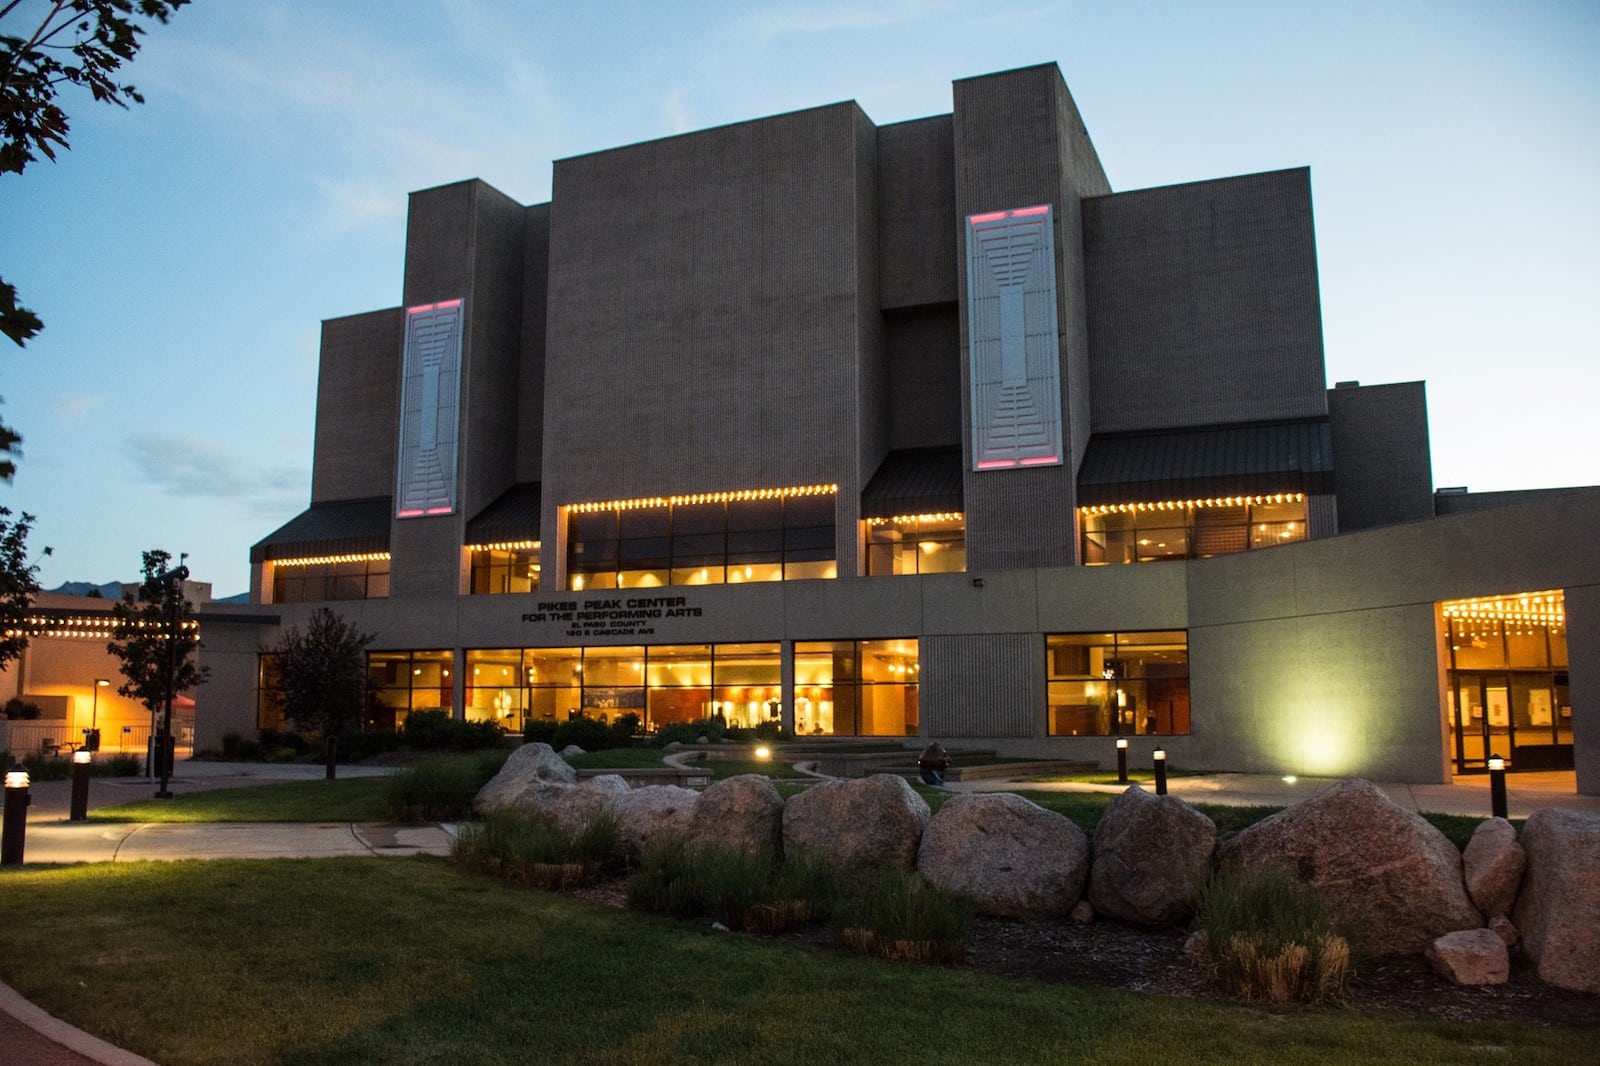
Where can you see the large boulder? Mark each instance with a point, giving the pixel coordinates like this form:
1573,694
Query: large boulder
526,779
1395,879
743,812
1558,906
1471,957
1493,862
862,827
1152,856
573,807
1009,856
649,813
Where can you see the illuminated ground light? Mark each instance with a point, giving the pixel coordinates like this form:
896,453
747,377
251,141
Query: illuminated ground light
763,752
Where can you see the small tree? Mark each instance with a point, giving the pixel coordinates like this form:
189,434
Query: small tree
19,583
144,624
322,677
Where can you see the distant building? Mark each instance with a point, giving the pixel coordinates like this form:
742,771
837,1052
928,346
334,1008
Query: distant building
916,430
60,670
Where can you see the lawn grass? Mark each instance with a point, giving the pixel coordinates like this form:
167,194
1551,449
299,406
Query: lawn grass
619,759
416,960
357,799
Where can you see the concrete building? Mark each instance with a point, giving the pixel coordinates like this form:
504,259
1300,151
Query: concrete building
916,430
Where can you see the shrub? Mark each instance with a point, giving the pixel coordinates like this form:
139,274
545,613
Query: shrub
624,727
533,851
540,731
354,747
231,743
590,734
437,730
277,741
903,916
1264,935
740,889
18,708
714,729
433,791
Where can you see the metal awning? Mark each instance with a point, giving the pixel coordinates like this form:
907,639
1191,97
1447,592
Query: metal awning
348,527
512,517
915,481
1208,461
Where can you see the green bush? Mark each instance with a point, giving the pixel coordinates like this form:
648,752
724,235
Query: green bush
534,851
540,731
19,709
1267,936
741,889
624,727
56,768
904,916
354,747
590,734
276,741
437,790
438,730
714,729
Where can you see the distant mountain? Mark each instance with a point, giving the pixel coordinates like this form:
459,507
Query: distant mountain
110,590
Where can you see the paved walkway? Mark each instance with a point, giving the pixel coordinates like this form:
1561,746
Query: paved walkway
30,1036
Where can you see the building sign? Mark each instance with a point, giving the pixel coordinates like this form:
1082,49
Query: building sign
429,414
612,615
1012,342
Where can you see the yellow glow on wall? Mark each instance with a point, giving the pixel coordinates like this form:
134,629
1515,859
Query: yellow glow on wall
1184,505
326,560
704,497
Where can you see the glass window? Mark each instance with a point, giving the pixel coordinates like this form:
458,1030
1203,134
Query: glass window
269,693
704,543
494,690
856,688
920,544
1189,529
749,683
352,578
1117,684
399,682
499,571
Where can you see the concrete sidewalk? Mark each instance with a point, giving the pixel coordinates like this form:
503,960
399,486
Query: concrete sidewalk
60,841
1525,793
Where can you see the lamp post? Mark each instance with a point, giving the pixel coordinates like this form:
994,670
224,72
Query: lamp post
1497,786
14,833
1159,757
82,759
92,739
1122,760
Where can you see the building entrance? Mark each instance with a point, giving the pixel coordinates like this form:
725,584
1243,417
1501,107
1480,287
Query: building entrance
1508,682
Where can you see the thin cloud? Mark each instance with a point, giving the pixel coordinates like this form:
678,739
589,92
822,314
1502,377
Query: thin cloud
184,466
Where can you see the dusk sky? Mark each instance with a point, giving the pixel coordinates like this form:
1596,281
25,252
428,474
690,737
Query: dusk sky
183,254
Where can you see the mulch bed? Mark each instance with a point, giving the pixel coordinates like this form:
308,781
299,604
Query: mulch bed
1152,961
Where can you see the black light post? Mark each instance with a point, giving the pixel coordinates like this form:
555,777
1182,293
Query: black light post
1159,757
14,834
82,759
1497,786
1122,760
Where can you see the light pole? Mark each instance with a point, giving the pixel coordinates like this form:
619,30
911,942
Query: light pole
92,741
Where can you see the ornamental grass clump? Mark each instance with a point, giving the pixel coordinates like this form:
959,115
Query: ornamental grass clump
535,852
904,917
750,891
433,791
1266,936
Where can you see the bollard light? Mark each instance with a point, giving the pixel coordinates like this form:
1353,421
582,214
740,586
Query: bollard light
763,752
14,831
1497,786
1159,757
82,760
1122,760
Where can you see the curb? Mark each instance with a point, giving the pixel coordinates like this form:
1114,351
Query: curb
70,1037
